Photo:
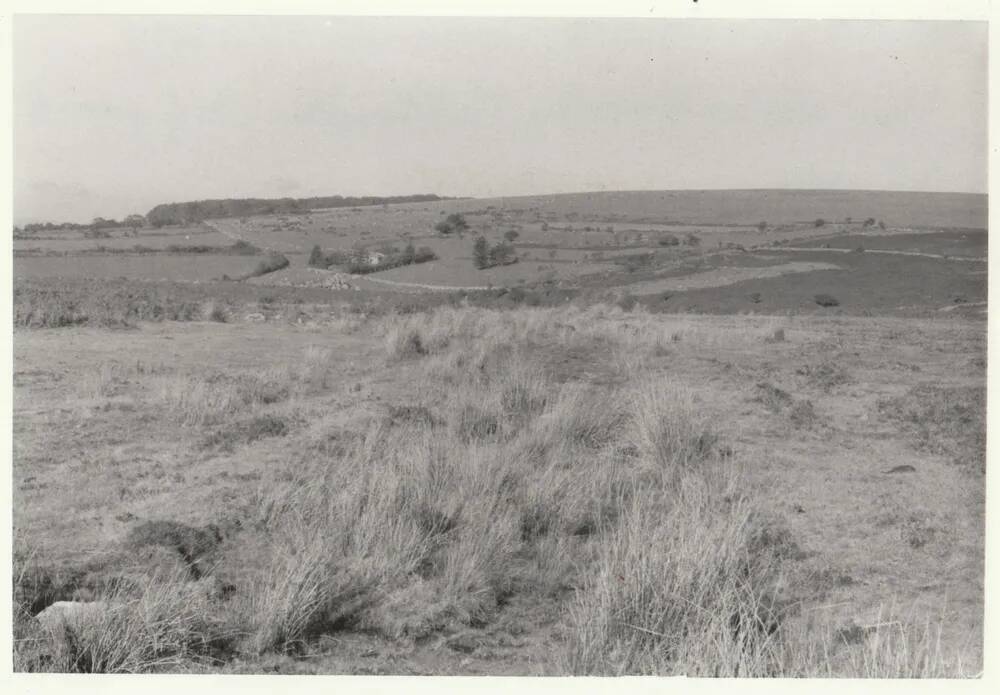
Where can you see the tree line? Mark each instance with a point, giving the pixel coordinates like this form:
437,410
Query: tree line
130,222
198,210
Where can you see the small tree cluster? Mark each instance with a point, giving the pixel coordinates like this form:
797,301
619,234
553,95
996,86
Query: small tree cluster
486,256
452,223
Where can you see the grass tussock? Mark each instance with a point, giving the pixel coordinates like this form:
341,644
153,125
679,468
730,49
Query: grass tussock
192,400
166,623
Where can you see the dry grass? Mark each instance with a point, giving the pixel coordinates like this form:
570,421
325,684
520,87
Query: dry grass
610,501
164,624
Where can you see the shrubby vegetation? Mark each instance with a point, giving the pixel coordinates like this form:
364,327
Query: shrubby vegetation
357,261
486,256
94,230
452,223
271,263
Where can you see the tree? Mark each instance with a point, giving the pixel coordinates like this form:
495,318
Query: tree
481,253
409,253
510,235
501,254
316,258
136,222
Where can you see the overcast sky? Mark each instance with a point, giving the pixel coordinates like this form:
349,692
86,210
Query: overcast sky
113,115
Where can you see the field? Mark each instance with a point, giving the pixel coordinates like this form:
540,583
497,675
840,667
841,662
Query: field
971,243
177,268
759,453
506,501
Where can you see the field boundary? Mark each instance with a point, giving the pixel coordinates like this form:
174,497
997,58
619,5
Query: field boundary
887,252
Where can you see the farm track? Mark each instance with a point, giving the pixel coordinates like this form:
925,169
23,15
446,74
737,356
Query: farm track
438,288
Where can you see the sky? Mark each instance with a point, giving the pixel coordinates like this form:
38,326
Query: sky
113,115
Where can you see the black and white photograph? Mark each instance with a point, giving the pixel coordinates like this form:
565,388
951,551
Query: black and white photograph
498,345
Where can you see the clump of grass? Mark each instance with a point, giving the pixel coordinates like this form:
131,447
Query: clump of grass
676,589
193,400
213,311
825,375
101,381
778,336
313,369
401,415
404,342
891,646
247,432
773,398
162,624
803,414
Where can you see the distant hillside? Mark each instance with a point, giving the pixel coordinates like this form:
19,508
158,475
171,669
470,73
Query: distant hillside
748,207
196,211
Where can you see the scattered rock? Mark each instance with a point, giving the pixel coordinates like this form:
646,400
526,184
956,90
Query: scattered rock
71,614
905,468
463,644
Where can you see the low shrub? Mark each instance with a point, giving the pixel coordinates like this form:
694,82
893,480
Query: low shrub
404,342
802,414
271,263
247,432
825,375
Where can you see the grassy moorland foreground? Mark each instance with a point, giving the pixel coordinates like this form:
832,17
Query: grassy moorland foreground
571,490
